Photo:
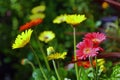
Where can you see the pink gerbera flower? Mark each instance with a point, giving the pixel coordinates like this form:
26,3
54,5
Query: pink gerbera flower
86,49
95,37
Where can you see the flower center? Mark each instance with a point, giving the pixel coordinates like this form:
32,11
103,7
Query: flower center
87,50
62,19
46,37
95,40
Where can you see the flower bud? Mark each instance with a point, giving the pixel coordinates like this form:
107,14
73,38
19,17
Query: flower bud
24,61
50,50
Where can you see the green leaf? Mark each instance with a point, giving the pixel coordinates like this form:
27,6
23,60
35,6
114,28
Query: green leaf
62,72
116,72
52,78
83,74
37,75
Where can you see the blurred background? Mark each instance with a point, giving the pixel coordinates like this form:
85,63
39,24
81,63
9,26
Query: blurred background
102,16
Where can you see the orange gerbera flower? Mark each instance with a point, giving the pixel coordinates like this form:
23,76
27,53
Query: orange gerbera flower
86,64
30,24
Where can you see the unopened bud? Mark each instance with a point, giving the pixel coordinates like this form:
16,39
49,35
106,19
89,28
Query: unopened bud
24,61
50,50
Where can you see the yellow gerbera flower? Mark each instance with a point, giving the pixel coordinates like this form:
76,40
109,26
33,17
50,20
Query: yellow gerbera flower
57,56
59,19
22,39
100,63
37,15
102,68
46,36
75,19
38,9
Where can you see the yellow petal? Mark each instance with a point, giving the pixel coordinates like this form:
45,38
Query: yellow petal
37,15
57,56
75,19
22,39
38,9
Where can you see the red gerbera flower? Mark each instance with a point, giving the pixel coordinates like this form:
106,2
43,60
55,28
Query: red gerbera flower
86,49
30,24
95,37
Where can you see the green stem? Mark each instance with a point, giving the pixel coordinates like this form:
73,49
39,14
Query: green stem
45,58
90,59
43,53
40,66
31,65
80,72
56,70
74,39
96,67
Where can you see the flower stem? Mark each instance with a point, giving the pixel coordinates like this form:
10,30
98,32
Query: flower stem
56,70
96,67
31,65
45,58
90,59
40,66
43,54
79,72
74,39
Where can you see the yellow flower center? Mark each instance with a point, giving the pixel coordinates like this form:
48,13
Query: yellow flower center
96,40
87,50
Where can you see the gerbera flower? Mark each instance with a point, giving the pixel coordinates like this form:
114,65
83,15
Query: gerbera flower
100,62
102,68
75,19
95,37
37,15
57,56
37,21
22,39
85,64
59,19
46,36
38,9
86,49
30,24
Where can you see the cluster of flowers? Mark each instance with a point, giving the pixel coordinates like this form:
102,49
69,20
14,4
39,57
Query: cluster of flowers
24,38
46,36
89,47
